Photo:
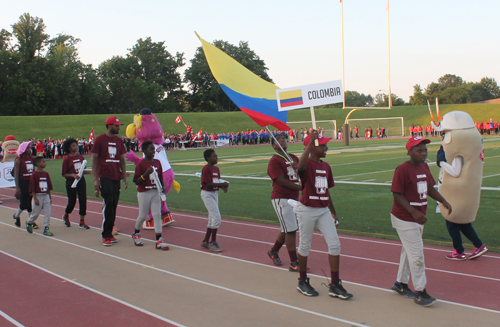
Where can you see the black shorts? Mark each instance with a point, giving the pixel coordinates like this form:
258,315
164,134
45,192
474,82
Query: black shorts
25,203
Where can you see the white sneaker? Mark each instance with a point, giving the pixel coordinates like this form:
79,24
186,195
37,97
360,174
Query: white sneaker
160,245
137,239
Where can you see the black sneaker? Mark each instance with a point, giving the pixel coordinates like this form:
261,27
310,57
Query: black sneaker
424,299
294,267
337,290
17,221
305,288
66,221
275,257
403,289
35,226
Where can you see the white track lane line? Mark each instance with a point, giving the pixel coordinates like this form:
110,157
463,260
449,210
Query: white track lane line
352,323
91,289
246,224
10,319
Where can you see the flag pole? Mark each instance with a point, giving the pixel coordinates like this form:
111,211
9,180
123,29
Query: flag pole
276,141
343,75
389,53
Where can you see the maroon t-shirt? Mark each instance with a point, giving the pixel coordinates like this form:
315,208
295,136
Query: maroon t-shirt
279,166
40,183
209,175
71,165
141,168
316,179
109,149
413,182
26,167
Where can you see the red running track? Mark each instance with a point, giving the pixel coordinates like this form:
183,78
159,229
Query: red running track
364,260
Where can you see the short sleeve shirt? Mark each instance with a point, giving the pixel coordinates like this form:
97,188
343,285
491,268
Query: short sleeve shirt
279,166
316,179
40,182
26,167
141,168
72,165
210,175
414,183
109,149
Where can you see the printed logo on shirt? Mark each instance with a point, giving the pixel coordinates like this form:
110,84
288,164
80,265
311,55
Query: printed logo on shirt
422,189
291,174
29,167
43,186
77,166
318,171
321,184
112,151
422,176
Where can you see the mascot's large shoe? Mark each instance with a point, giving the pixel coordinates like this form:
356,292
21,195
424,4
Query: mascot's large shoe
166,219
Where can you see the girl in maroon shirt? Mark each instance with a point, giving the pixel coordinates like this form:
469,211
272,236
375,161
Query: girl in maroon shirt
23,168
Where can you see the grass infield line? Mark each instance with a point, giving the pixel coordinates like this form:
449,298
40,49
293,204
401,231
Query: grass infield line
90,288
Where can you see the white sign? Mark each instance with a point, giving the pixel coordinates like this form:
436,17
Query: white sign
6,179
311,95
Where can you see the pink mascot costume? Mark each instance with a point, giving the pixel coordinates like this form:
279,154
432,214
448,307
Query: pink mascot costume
147,128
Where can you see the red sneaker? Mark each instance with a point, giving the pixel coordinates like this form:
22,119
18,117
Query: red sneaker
167,219
106,241
477,252
112,239
456,256
149,224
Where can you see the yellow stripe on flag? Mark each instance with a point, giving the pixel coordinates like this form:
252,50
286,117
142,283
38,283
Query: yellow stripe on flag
291,94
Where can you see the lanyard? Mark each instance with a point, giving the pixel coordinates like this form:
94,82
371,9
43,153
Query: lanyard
286,160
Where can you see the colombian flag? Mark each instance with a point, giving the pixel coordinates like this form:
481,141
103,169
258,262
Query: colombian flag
253,95
291,98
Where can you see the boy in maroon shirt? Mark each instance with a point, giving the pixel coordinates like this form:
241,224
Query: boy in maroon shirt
148,195
285,186
23,168
315,209
411,185
210,183
40,187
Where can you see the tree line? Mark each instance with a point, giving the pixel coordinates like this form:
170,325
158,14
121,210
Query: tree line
43,75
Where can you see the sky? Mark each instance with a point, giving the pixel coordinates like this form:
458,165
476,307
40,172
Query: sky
300,41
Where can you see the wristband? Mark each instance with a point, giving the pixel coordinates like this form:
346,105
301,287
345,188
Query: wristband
143,178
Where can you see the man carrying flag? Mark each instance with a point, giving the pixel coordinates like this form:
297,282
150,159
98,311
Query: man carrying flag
91,139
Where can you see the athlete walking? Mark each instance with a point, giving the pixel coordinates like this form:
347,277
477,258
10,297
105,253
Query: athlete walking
285,186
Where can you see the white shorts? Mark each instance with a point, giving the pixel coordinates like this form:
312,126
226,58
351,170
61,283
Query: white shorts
286,216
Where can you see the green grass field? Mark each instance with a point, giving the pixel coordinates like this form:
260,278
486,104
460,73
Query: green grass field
363,208
58,127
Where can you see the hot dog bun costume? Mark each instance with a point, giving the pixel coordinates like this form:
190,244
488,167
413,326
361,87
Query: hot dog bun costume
463,171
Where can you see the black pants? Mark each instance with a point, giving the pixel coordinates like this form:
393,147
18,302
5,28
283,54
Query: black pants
110,192
81,191
25,203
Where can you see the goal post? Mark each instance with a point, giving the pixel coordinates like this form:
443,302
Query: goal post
329,126
394,126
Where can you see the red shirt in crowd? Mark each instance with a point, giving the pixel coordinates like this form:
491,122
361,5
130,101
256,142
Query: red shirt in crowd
413,182
316,179
39,147
26,167
40,182
141,168
279,166
109,149
72,165
210,175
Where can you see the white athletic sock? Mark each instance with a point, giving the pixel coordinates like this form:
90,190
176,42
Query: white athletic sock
18,213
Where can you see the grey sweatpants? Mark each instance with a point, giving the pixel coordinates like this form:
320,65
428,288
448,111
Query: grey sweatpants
211,201
44,201
149,199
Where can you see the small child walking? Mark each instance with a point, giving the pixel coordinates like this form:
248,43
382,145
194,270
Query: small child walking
23,169
40,187
210,184
70,167
411,184
148,195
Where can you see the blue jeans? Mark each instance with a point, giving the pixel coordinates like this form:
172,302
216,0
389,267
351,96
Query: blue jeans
468,231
